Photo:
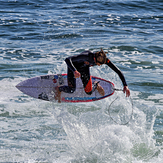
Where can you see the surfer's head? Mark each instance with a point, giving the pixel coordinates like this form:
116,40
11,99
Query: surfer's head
100,57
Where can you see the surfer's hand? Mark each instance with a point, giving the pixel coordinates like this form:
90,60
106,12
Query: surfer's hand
76,74
127,91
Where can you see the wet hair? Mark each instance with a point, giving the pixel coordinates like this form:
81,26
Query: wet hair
100,57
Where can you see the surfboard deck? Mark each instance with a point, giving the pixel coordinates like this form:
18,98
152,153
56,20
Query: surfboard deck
43,87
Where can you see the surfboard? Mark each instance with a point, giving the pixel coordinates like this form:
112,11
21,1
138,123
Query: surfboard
43,87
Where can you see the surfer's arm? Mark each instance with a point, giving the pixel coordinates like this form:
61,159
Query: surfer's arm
72,67
126,90
70,64
117,70
69,61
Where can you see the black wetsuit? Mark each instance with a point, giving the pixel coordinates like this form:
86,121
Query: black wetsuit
82,63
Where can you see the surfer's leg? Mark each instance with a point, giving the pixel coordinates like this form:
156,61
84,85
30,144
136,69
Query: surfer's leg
67,89
99,88
87,82
71,83
57,95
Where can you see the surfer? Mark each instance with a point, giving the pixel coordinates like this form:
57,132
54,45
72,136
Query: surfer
78,66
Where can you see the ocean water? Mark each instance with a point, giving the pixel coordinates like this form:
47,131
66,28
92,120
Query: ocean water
35,38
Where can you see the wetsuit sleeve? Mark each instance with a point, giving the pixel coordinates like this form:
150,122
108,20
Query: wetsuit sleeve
70,64
117,70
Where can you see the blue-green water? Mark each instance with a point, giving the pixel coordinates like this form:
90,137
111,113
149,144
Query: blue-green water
35,38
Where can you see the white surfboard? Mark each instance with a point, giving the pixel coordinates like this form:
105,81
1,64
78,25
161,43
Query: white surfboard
43,87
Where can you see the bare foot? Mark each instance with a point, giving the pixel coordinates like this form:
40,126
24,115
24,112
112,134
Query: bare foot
57,95
100,89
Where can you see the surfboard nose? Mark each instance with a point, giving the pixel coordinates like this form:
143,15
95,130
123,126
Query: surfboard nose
25,88
22,86
18,86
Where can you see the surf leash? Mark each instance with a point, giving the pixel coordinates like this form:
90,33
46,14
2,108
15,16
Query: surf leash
109,108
